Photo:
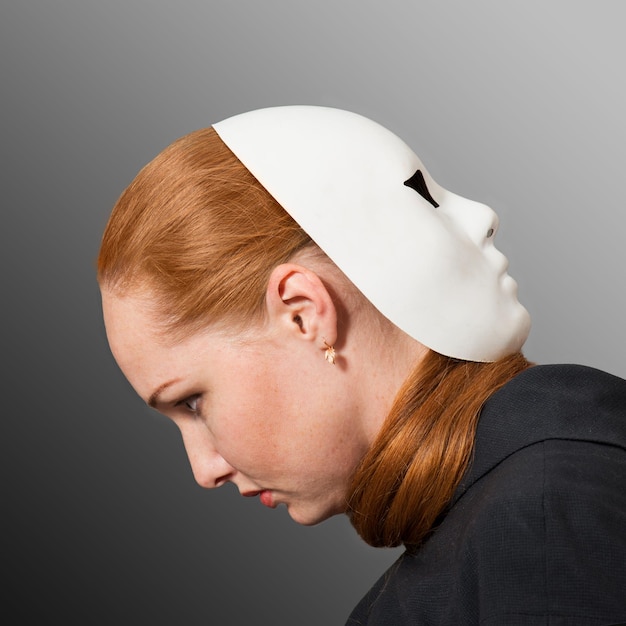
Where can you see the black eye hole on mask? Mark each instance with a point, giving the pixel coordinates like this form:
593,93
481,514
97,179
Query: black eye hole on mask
418,183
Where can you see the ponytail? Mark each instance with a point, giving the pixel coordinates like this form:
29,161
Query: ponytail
409,475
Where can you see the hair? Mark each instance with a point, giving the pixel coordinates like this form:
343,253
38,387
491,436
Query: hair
198,233
411,471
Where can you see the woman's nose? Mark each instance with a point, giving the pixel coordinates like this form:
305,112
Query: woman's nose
209,468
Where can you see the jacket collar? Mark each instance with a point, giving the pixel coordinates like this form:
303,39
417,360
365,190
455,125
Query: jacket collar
571,402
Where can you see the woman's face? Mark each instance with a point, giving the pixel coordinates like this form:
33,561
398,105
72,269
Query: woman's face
267,414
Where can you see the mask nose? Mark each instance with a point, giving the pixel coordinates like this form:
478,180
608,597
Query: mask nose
209,468
479,221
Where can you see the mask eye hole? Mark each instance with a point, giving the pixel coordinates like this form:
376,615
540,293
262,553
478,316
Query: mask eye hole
490,233
418,183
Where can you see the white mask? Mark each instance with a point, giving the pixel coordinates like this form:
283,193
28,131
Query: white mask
432,270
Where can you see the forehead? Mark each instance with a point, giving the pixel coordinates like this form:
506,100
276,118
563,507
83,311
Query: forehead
130,328
139,347
139,343
126,317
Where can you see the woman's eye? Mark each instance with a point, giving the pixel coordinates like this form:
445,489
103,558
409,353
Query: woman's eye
191,403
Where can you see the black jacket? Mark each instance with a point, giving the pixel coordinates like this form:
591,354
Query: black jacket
536,532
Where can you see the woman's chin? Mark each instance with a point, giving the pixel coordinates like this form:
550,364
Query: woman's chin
310,515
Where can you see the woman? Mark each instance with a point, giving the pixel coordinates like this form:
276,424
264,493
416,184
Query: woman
333,331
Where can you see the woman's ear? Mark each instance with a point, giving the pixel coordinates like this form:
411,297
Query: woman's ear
298,303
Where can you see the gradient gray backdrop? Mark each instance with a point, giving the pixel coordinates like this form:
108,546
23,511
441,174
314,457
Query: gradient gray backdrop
519,104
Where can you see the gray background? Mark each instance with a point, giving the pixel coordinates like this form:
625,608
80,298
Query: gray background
517,104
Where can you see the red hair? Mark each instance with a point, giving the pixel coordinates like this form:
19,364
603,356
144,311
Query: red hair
198,232
420,455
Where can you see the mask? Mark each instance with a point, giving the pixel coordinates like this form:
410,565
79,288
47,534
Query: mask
422,255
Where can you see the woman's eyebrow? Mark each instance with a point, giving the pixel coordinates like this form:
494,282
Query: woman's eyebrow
418,183
154,396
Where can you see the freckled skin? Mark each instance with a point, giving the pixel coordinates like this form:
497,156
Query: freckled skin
273,415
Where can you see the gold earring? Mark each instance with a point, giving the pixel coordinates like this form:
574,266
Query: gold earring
330,355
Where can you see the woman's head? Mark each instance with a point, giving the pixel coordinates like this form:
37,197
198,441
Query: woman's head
218,309
241,252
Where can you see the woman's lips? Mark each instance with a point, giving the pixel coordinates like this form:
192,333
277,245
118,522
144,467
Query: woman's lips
267,499
265,496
